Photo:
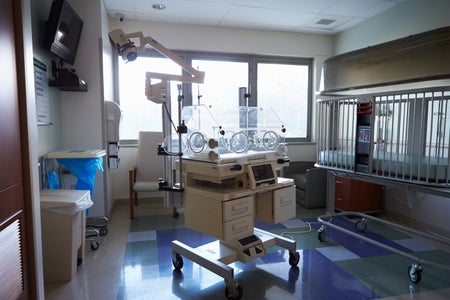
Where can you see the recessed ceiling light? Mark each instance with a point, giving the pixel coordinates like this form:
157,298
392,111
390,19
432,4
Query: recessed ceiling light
159,6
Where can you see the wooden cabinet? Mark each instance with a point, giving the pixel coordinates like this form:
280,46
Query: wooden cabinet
17,276
356,195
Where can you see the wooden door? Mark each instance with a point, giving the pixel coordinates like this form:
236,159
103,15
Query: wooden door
13,249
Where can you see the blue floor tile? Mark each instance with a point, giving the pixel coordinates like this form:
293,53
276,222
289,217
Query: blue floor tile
329,270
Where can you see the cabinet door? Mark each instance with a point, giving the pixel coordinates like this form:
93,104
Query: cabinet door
10,158
237,228
342,191
284,204
276,206
13,265
238,208
356,195
368,196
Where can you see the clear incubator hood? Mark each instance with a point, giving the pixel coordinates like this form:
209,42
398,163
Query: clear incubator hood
227,134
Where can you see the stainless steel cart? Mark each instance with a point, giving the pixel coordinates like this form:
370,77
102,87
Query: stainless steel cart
415,270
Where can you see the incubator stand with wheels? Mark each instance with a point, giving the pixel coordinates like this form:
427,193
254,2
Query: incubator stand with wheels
229,171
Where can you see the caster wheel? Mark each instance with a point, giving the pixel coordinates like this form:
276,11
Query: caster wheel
361,225
415,273
235,292
178,276
294,273
103,231
94,245
412,288
294,258
321,236
177,262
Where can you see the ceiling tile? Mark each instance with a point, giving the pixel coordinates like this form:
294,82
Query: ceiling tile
247,15
306,6
119,5
285,15
358,8
183,10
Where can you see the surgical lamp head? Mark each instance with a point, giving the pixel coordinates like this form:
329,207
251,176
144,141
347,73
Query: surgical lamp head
122,45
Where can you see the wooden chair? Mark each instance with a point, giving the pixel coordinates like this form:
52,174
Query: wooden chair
148,169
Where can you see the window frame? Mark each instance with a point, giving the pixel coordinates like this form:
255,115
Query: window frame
252,60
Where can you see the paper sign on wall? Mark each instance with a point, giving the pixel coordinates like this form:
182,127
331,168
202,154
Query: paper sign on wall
41,91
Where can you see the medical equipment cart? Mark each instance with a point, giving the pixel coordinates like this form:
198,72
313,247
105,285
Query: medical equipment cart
230,178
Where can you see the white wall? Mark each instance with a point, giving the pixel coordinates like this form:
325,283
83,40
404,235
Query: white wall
107,94
49,136
76,117
407,18
225,40
82,111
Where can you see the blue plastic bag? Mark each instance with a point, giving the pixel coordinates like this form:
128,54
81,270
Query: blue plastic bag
53,181
84,169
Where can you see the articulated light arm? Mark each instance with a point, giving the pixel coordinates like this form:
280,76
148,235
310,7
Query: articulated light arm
126,48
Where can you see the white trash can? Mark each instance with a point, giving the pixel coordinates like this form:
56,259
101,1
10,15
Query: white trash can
63,222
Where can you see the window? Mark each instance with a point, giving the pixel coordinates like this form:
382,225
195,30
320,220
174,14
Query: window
222,82
283,84
140,114
284,88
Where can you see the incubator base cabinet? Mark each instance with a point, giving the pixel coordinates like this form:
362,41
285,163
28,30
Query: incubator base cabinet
229,216
63,215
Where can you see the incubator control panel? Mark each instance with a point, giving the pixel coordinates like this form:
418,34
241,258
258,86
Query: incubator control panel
261,175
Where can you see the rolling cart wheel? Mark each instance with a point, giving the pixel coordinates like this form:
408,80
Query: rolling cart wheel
321,235
177,262
94,245
294,258
361,225
103,231
415,273
234,291
411,288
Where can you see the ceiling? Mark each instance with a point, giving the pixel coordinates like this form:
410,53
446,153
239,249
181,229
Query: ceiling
310,16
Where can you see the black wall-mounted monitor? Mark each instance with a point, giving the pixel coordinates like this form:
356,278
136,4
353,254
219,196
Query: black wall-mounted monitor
62,31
